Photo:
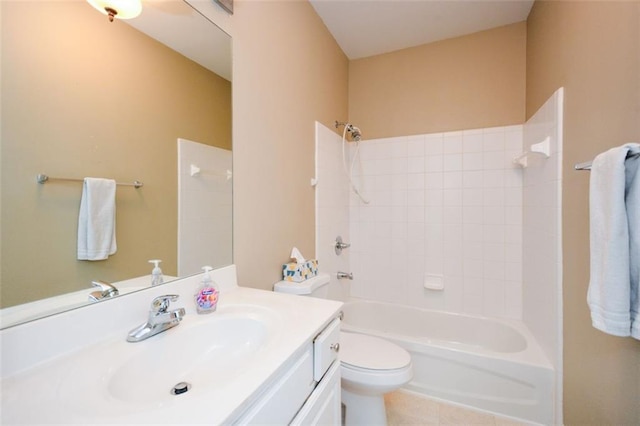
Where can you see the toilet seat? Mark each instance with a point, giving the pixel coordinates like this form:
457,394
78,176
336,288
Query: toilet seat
372,365
362,352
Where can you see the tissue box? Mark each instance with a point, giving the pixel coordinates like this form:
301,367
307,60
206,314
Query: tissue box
298,272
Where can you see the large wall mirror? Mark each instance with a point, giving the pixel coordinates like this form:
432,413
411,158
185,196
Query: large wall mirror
85,97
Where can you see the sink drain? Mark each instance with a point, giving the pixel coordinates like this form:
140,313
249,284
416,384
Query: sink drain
180,388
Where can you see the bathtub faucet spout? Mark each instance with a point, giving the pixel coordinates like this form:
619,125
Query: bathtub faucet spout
341,275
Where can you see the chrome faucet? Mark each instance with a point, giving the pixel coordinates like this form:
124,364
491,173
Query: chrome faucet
348,275
160,319
106,291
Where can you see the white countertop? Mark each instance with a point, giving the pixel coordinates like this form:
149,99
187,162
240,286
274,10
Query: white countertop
70,384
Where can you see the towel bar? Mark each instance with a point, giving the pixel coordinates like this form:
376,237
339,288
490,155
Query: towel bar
587,165
42,178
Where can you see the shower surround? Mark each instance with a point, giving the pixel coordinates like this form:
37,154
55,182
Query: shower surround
451,208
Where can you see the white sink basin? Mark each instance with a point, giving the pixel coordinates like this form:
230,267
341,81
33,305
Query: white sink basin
204,354
209,352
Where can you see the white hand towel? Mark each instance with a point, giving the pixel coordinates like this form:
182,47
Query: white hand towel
97,219
609,295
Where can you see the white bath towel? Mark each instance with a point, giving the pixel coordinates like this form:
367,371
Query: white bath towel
632,201
610,287
97,219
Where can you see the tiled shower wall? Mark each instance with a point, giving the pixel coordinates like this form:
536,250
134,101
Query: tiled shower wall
443,208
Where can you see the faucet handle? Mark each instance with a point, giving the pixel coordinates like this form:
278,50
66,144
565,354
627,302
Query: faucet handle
161,303
339,245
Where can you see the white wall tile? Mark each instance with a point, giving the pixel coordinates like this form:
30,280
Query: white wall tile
434,214
452,143
416,181
451,162
415,164
494,178
415,146
433,144
472,196
451,180
473,161
472,142
493,141
433,163
493,160
452,215
415,214
472,179
433,197
433,180
452,197
444,204
494,298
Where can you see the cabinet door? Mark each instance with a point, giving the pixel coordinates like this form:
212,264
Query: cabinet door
323,406
325,349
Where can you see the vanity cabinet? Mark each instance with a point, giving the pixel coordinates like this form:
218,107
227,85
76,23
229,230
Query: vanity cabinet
308,392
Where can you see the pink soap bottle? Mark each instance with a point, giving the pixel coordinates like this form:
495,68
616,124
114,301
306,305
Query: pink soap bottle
208,293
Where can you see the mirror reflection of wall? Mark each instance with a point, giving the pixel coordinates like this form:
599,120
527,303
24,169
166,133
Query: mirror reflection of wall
204,207
85,97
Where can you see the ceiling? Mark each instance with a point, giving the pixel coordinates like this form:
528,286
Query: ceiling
370,27
181,27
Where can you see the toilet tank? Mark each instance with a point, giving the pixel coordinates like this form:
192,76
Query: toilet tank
314,287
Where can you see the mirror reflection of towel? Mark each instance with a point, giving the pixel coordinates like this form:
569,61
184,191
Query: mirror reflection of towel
97,219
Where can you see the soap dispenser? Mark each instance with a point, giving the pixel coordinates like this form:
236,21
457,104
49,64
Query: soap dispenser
156,273
208,293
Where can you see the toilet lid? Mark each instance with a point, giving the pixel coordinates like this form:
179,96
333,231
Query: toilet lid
370,352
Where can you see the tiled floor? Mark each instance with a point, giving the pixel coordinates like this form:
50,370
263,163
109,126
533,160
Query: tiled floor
406,408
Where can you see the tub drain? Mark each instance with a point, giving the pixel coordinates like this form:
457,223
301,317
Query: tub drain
180,388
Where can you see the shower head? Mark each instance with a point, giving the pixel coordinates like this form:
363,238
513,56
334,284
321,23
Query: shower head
354,131
356,134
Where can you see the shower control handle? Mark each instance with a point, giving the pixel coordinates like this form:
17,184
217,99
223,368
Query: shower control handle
339,245
348,275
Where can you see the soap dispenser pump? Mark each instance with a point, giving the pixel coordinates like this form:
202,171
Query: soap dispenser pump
208,293
156,273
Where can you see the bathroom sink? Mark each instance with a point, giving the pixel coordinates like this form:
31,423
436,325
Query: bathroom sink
204,355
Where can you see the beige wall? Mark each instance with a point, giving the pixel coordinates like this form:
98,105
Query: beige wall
466,82
288,72
593,50
85,97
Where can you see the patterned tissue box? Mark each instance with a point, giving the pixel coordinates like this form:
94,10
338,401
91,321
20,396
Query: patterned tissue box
298,272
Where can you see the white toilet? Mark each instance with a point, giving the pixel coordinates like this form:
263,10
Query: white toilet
369,366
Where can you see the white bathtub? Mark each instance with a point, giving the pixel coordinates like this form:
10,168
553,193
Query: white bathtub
488,364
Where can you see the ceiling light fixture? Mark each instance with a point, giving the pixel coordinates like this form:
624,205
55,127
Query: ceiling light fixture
120,9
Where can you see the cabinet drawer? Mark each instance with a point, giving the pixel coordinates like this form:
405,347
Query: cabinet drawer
325,349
